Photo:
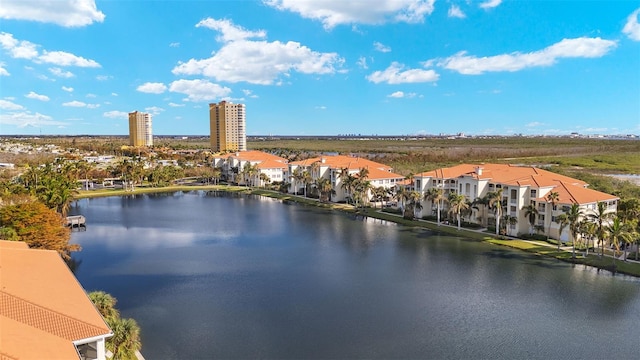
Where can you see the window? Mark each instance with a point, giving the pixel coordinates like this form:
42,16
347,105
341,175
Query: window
534,193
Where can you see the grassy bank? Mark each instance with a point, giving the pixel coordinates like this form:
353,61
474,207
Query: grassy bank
605,263
524,245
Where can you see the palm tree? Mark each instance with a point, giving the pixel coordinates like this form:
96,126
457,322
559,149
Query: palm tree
484,202
508,220
264,179
617,231
552,197
296,178
125,340
495,201
587,231
306,180
562,220
105,303
413,204
531,212
347,181
457,203
325,188
435,195
573,216
402,195
379,193
600,217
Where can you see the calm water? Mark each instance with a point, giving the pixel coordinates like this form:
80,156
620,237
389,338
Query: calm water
235,277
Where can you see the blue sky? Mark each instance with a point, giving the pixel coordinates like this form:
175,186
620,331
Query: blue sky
322,67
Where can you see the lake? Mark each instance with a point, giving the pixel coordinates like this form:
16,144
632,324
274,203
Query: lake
219,275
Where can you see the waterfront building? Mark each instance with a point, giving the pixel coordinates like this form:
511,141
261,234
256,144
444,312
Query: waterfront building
332,166
140,132
521,186
273,168
227,122
44,311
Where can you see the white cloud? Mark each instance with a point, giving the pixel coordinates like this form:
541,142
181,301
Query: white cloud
33,95
401,94
199,90
333,13
174,44
8,105
154,110
114,94
381,47
321,107
68,13
362,62
18,49
67,89
152,88
229,31
632,27
3,71
26,118
490,4
61,73
103,77
90,95
567,48
116,114
62,58
250,94
176,105
27,50
534,124
454,11
394,74
76,103
257,62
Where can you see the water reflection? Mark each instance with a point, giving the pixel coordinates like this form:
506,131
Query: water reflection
234,276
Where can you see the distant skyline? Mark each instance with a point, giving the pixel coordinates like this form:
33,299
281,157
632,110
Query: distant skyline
322,67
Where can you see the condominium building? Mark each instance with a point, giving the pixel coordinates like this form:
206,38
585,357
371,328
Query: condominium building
336,168
269,168
550,194
140,129
227,123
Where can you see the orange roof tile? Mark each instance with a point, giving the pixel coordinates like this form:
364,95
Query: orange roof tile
571,190
343,161
42,305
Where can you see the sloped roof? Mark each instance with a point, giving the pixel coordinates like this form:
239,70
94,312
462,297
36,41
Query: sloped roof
252,155
570,190
343,161
272,164
503,174
379,174
570,194
255,155
43,308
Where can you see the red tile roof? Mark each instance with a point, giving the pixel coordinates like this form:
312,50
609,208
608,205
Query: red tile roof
570,190
43,308
343,161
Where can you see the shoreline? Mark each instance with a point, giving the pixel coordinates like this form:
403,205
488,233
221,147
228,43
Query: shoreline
530,246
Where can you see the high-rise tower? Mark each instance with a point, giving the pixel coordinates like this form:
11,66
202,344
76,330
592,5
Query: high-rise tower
140,129
227,124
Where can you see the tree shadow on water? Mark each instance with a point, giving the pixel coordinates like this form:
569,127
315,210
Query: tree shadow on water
529,259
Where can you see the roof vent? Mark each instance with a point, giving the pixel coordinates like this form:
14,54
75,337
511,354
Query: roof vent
478,170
